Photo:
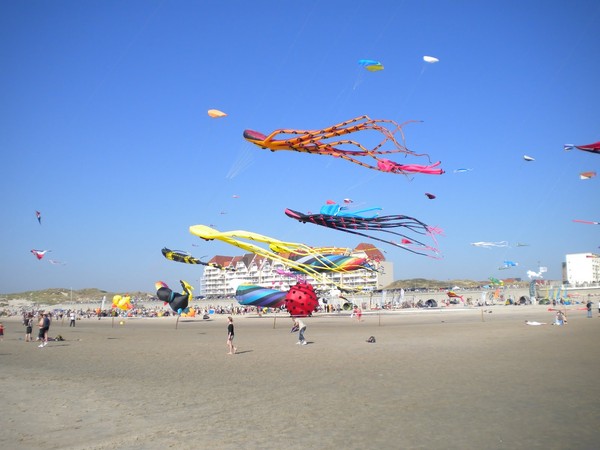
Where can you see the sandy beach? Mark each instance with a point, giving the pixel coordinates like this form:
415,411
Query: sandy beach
434,379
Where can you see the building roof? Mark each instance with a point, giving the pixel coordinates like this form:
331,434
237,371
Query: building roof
372,252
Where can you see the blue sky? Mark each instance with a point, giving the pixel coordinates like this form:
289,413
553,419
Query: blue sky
104,130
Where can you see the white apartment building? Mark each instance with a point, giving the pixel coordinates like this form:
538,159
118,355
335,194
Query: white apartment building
582,268
255,269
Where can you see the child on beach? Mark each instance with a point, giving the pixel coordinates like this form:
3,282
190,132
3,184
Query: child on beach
301,329
29,327
589,309
230,335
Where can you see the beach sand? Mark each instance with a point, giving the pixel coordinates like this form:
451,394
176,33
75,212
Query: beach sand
437,379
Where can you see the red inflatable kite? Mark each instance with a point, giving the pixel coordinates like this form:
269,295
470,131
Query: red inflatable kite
301,300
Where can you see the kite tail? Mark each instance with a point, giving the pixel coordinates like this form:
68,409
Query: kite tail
385,165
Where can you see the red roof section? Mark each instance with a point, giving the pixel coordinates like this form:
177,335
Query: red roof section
372,252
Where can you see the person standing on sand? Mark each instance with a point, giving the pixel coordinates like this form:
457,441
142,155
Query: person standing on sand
29,329
72,317
40,324
589,309
230,336
1,332
44,328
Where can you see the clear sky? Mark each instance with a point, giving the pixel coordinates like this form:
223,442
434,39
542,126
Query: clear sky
104,129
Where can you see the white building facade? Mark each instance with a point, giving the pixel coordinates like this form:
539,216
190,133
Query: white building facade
254,269
582,268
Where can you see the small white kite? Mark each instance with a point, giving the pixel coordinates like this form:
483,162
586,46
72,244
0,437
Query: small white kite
485,244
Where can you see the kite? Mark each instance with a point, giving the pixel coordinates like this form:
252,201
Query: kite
122,302
337,263
287,273
528,158
326,142
39,254
589,222
462,170
538,274
370,65
429,196
356,224
178,302
186,258
250,294
452,294
334,209
508,265
55,262
290,254
495,281
301,300
215,113
586,175
485,244
592,148
521,244
38,215
430,59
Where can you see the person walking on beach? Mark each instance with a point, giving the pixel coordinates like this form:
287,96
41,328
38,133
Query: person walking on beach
1,332
230,336
72,317
589,309
301,329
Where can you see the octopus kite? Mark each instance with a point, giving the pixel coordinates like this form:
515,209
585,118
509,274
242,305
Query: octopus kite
298,257
326,142
385,224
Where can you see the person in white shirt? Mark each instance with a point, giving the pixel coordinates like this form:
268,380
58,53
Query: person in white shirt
301,329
